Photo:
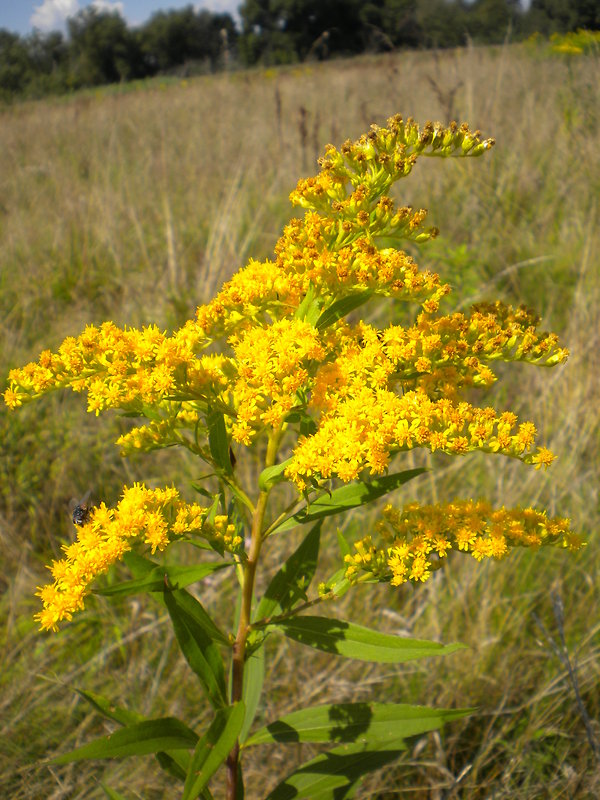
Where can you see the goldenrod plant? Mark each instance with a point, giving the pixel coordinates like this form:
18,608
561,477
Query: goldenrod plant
274,364
576,43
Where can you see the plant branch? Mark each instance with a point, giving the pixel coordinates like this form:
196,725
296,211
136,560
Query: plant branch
262,623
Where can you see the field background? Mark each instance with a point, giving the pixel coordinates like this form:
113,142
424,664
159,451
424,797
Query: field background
134,204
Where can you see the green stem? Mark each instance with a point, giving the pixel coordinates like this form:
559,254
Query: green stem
249,574
282,516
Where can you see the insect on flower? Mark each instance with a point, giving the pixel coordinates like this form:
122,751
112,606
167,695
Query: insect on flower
81,511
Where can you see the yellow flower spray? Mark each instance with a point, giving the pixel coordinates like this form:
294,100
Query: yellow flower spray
273,358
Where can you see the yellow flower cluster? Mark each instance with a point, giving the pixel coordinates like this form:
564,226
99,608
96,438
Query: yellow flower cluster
365,429
438,355
118,367
307,256
153,517
416,539
273,363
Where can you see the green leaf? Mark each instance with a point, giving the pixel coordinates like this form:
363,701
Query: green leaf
290,584
272,475
175,763
195,609
151,412
218,440
310,307
355,722
109,710
154,581
344,546
333,775
254,678
199,650
308,426
213,509
353,641
140,567
213,748
240,496
342,307
140,739
338,583
201,490
346,497
200,544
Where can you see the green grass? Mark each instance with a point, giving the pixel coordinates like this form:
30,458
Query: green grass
134,206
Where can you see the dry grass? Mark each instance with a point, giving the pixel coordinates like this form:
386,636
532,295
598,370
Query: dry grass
134,205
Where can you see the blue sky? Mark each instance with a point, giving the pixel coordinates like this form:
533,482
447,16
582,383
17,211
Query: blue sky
22,16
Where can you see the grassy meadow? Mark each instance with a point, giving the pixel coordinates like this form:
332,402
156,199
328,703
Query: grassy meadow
134,204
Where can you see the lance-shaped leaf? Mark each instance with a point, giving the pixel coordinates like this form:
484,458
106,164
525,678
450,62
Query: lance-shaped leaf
347,497
195,609
140,739
354,641
310,307
175,763
199,650
338,583
154,581
218,441
109,710
333,775
212,749
342,307
290,583
345,548
141,567
355,722
254,678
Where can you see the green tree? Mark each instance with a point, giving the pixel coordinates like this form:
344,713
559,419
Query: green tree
561,16
172,38
49,58
489,21
287,30
102,48
391,23
15,65
443,24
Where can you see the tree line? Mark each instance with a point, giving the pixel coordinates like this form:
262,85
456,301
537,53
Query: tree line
100,48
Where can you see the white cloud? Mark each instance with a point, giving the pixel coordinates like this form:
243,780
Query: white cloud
108,5
53,13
